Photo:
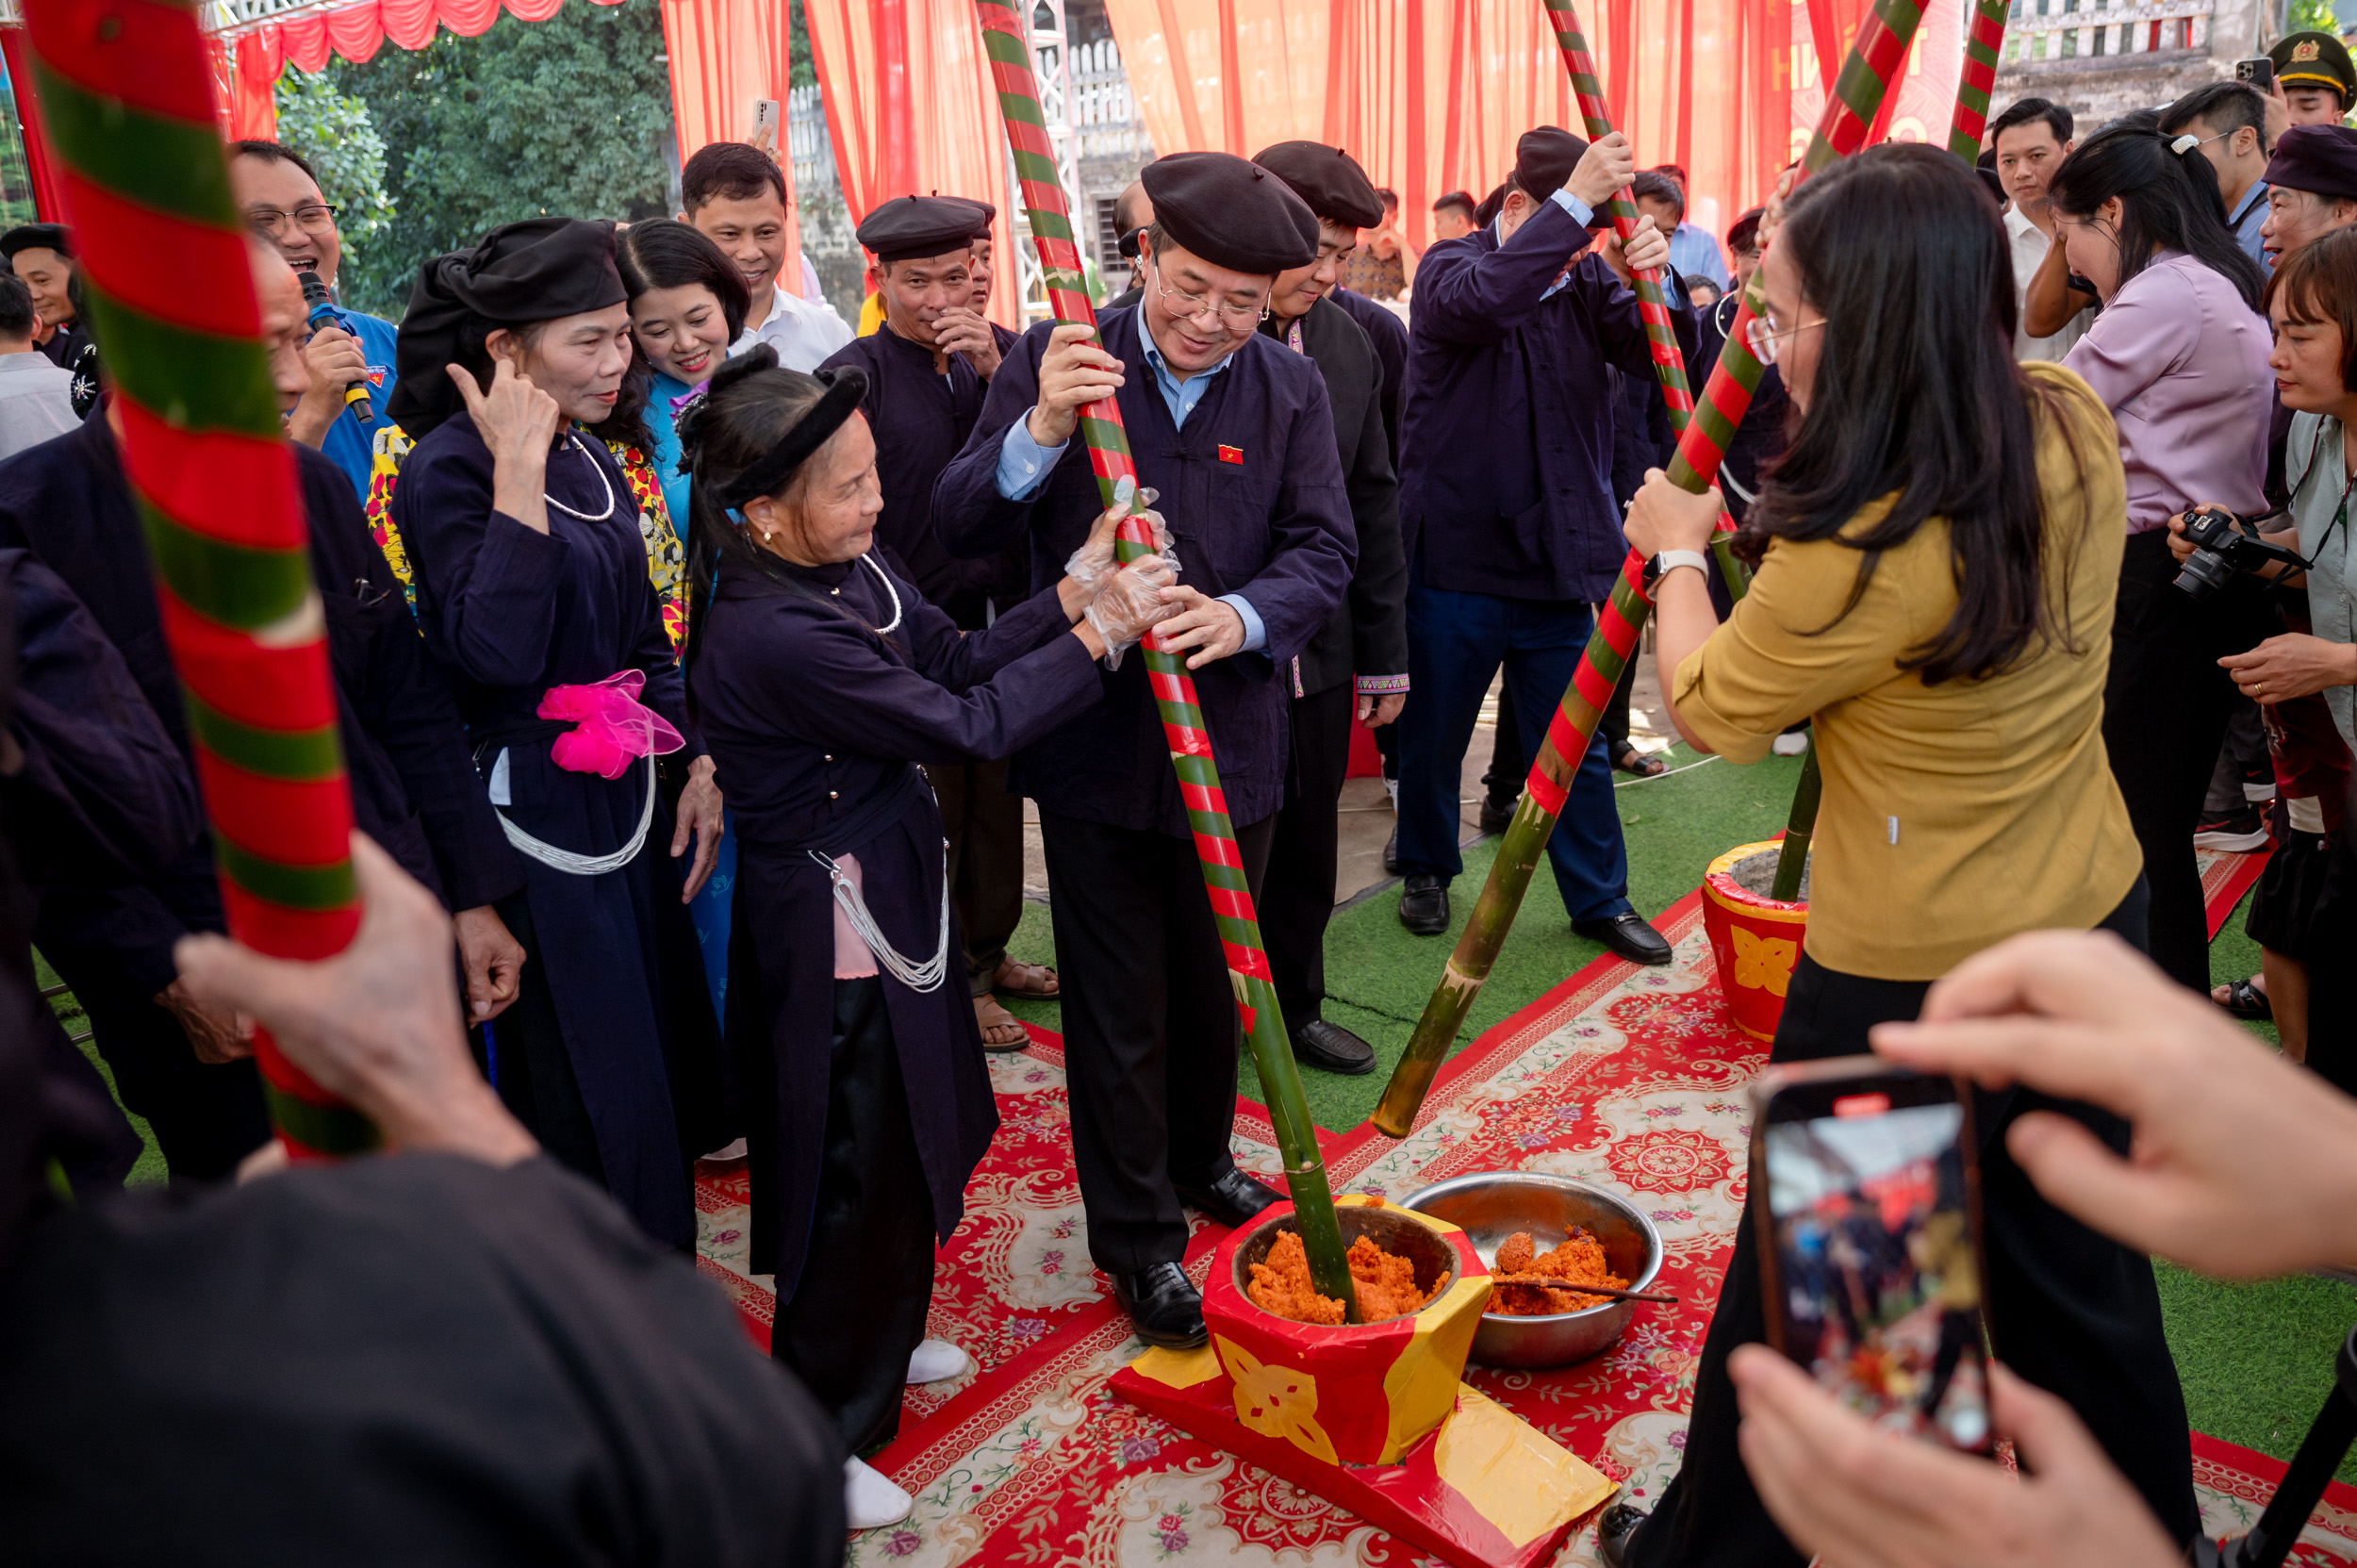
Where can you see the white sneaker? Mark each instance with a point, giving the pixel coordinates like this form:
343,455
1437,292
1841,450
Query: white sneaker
728,1152
935,1361
869,1500
1789,745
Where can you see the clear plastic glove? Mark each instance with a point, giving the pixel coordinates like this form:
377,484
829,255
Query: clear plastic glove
1093,561
1129,603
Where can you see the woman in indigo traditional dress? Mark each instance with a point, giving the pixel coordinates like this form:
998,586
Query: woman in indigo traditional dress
822,678
533,594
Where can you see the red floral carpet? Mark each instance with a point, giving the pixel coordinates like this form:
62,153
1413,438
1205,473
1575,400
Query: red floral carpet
1622,1076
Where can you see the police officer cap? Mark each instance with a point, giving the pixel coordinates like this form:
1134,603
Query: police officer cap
1231,214
1329,179
2316,59
1544,159
34,237
2320,160
918,228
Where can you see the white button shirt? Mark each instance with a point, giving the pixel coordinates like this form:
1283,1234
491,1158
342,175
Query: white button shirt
805,332
2029,254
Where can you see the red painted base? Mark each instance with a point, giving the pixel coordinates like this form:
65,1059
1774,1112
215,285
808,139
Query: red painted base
1408,1500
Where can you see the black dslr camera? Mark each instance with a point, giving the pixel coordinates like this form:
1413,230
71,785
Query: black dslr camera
2221,550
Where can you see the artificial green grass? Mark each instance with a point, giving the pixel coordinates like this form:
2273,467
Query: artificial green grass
2256,1360
150,1168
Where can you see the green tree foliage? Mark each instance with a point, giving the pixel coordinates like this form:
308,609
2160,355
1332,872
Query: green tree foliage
336,136
571,116
2312,16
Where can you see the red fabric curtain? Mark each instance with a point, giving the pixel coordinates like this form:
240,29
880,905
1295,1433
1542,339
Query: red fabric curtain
48,189
355,32
912,110
725,56
1430,94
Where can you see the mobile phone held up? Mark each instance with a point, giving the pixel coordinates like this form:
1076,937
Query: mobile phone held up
2258,71
1867,1199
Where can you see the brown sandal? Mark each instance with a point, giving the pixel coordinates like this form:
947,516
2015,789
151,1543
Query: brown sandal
1031,982
1001,1029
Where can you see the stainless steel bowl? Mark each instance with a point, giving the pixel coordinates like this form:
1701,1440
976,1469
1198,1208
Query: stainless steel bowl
1490,1206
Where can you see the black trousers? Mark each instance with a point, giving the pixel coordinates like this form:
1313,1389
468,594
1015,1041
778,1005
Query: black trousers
2071,1311
2166,705
1150,1028
2331,976
522,1052
860,1307
983,825
205,1118
1296,897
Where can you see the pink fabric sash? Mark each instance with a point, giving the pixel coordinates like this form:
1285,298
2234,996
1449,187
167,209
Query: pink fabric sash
612,728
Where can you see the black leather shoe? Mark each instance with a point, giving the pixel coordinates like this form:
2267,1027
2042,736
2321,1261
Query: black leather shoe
1164,1306
1231,1200
1333,1048
1627,934
1391,852
1497,814
1424,905
1613,1532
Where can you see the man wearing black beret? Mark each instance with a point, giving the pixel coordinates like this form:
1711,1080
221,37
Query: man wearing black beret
1235,433
1506,503
1361,652
927,366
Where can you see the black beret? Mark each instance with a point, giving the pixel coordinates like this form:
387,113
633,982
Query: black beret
1487,213
1327,178
2320,160
34,236
916,228
1544,159
1231,214
2315,60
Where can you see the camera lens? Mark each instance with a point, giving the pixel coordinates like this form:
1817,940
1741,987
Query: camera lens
2204,574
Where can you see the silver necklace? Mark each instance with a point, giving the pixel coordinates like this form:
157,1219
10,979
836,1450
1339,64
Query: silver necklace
595,466
885,578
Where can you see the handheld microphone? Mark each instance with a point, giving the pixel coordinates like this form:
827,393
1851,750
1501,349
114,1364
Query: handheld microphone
323,314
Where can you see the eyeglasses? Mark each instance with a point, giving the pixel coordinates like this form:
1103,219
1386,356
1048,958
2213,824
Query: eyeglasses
311,217
1193,307
1764,336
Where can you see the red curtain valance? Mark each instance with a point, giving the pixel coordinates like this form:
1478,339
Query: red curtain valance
354,32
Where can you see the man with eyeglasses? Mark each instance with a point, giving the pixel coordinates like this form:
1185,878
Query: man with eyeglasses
280,197
2227,121
1506,502
1358,662
1234,432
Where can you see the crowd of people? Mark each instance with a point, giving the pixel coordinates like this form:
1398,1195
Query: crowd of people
695,657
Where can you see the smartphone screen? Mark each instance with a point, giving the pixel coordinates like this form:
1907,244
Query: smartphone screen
1873,1276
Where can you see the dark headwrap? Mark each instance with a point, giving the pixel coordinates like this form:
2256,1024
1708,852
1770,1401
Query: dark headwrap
536,271
847,389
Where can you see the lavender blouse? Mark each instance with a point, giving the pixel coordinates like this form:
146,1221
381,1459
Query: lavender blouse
2180,362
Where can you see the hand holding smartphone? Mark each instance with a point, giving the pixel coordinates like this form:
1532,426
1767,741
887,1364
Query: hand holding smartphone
1867,1197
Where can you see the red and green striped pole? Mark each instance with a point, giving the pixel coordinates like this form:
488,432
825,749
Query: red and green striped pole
127,102
1005,39
1669,364
1873,65
1983,41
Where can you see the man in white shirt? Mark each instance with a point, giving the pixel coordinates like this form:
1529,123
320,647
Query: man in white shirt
736,196
36,401
2031,139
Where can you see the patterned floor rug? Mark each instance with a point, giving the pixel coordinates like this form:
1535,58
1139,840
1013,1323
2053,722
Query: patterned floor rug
1624,1076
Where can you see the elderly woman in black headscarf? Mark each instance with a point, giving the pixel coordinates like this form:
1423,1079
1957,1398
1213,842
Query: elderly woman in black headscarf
822,679
531,591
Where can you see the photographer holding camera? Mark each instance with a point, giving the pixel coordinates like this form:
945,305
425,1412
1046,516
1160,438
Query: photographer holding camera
2311,305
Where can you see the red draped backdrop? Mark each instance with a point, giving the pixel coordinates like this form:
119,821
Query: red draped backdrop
911,111
1430,94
